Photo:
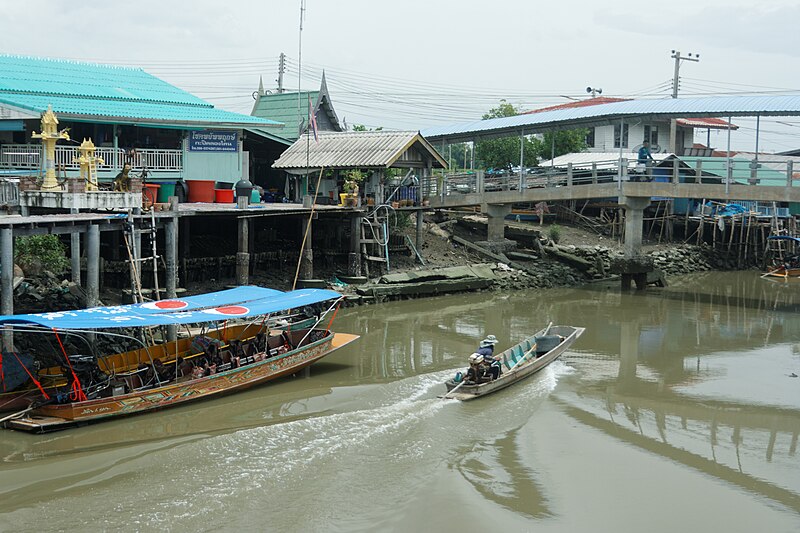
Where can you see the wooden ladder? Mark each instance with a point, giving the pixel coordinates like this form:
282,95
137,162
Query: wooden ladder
374,239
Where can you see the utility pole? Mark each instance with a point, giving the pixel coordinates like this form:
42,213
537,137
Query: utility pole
281,70
676,55
673,124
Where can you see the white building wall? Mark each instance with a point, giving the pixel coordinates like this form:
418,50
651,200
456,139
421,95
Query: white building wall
604,137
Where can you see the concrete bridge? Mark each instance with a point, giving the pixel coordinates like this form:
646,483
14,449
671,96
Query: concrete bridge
496,197
631,191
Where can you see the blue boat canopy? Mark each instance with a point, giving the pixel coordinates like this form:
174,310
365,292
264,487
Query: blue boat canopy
241,302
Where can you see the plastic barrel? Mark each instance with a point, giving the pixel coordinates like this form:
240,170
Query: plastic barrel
255,197
201,190
167,189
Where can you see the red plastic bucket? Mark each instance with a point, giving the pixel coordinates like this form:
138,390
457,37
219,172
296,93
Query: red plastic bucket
201,190
224,196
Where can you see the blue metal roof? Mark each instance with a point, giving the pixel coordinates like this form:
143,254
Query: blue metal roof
106,93
607,113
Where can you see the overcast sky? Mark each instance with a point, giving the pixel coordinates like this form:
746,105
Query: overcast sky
415,63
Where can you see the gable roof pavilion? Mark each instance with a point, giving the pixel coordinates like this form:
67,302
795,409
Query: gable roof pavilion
291,109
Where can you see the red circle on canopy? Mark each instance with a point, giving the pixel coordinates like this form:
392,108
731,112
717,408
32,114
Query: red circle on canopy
171,304
231,310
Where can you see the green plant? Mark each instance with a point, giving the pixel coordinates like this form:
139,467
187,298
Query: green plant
554,233
351,180
41,252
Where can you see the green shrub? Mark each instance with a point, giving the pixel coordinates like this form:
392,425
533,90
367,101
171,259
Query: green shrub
554,233
41,252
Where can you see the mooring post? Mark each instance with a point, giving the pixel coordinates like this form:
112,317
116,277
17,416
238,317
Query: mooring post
171,258
92,265
354,257
307,259
7,285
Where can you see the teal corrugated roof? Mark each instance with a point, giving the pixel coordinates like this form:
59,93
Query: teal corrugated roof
741,170
107,93
283,107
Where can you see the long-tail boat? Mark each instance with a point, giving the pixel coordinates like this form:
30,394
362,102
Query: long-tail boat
518,362
227,358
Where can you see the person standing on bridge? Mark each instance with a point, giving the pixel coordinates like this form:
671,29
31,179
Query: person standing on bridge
645,160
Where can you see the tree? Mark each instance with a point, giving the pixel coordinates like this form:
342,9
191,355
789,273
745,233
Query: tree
566,142
504,152
41,252
361,127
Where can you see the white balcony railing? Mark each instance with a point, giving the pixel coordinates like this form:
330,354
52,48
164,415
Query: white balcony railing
29,157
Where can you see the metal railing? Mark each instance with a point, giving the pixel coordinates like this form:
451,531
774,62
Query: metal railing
731,172
29,156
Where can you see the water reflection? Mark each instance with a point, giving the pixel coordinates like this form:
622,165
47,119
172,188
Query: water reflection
699,374
497,472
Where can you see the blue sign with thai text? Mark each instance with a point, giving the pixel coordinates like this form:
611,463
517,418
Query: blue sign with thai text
213,141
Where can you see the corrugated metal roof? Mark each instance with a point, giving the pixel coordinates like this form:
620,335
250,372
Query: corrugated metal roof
722,106
604,160
103,93
283,107
354,149
710,123
579,103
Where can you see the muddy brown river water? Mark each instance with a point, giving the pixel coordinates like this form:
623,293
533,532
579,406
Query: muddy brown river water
676,411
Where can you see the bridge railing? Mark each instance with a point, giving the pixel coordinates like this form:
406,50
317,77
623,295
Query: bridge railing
732,172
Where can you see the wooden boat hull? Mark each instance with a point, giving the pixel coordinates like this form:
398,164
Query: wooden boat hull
60,416
521,371
784,273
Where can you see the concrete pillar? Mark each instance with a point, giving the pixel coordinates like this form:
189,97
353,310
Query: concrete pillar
634,219
7,283
75,254
243,256
93,265
307,259
496,227
171,274
354,258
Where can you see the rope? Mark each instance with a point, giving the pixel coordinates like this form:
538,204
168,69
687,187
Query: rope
327,329
77,391
46,396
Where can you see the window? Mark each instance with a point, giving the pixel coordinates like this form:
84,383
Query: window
590,138
651,134
624,136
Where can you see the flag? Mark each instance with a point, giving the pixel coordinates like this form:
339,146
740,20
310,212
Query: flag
312,119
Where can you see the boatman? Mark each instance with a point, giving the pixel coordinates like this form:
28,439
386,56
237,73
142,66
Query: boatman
486,349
